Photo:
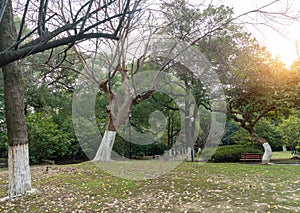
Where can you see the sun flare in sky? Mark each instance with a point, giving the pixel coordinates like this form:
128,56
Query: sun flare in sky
280,38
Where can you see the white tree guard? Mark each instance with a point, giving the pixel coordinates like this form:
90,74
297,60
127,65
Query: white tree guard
105,148
267,154
19,171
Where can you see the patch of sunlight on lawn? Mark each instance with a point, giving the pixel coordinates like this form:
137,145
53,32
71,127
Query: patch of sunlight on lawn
282,155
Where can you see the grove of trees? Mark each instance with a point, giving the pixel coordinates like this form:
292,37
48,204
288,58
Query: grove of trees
50,50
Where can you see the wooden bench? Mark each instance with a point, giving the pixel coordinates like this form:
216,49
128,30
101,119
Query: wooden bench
251,157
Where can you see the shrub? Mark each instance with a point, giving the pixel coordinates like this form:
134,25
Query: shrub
47,139
206,154
231,153
297,149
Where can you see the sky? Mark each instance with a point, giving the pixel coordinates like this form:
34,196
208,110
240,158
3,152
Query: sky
281,44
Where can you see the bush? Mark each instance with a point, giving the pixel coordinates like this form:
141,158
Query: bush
48,140
297,149
206,154
231,153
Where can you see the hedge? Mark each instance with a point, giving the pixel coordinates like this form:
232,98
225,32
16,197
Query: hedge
230,153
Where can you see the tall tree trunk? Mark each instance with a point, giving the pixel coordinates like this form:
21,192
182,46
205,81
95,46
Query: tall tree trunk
18,157
170,130
267,148
187,123
105,148
124,103
195,115
107,142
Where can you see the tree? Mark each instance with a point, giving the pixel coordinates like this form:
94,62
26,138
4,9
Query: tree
151,108
254,97
48,96
265,89
290,131
264,128
221,31
127,81
248,72
49,31
18,157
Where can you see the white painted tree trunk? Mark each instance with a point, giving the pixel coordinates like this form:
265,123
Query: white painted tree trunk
105,148
267,154
189,154
19,170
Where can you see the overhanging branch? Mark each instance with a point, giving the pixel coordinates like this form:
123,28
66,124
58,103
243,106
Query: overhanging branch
262,114
7,57
2,8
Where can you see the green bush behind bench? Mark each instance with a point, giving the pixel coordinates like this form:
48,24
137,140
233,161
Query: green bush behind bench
231,153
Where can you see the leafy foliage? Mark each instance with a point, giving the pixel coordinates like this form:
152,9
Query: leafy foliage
242,137
3,145
48,96
264,129
290,129
231,129
48,140
232,153
297,149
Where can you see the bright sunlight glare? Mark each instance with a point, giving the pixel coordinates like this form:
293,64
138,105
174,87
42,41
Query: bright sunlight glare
280,38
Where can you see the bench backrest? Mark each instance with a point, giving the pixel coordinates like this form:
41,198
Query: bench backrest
252,155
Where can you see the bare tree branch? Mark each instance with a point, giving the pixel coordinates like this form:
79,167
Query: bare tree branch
9,56
2,8
83,20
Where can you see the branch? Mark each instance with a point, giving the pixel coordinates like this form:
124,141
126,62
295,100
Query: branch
106,20
231,20
2,8
46,37
66,27
41,18
122,18
44,15
15,46
10,56
166,104
263,113
143,96
22,23
86,16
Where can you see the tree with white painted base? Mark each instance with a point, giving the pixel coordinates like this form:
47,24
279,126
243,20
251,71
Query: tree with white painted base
49,32
123,104
267,148
18,156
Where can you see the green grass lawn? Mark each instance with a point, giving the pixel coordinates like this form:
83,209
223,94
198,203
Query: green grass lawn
191,187
282,155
